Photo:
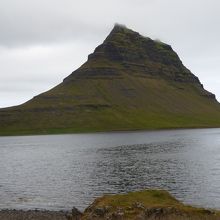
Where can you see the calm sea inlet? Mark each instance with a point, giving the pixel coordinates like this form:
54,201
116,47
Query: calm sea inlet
58,172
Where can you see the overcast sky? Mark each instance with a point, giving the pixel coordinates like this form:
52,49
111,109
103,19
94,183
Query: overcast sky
43,41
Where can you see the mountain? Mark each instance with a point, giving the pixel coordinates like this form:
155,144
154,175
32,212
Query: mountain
129,82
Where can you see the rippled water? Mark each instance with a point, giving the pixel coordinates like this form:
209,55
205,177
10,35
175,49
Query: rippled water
60,171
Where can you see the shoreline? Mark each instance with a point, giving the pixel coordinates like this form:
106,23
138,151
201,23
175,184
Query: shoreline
139,205
13,214
106,132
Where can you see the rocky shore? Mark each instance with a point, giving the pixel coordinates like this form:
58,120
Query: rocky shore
33,215
142,205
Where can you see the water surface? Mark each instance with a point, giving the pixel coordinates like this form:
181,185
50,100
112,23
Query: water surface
60,171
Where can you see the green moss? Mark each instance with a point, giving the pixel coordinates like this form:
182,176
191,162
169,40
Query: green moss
130,103
149,198
134,204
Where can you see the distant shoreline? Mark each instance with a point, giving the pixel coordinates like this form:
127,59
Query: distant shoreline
106,132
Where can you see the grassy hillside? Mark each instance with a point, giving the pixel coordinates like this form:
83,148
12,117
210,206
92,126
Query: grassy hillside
130,82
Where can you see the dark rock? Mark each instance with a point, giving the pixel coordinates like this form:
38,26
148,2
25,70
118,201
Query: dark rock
138,205
209,212
100,211
118,215
76,214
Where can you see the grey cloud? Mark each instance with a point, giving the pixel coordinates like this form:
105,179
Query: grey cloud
25,22
41,42
28,22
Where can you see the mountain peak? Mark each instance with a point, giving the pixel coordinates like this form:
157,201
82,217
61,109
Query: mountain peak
124,45
120,31
121,28
128,82
127,50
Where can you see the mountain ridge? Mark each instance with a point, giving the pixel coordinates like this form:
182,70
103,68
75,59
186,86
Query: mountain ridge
129,82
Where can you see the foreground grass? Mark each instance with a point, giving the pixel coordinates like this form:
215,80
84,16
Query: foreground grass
147,204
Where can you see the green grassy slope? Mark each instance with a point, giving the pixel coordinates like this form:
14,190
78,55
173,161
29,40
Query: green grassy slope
128,83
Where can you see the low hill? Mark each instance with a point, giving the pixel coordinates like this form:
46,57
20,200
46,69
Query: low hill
129,82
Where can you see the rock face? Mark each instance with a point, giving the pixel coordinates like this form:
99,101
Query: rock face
129,82
133,51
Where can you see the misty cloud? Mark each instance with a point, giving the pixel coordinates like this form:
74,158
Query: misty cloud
41,42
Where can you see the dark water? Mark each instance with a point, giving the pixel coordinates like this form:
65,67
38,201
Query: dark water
60,171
